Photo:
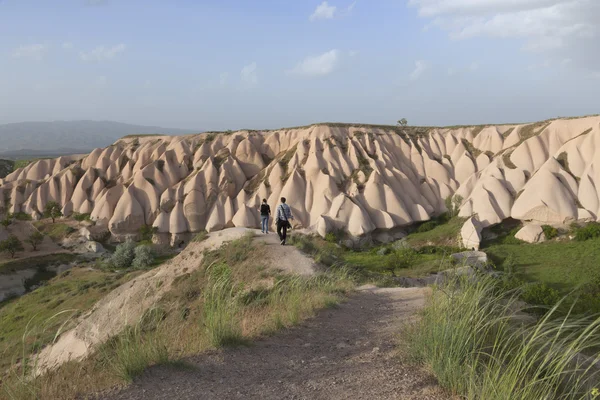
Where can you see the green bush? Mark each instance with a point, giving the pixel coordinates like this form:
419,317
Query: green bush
331,237
81,217
587,232
143,257
550,232
538,294
21,216
427,226
401,259
123,255
146,232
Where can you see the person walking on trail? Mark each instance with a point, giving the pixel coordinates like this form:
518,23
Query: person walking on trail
265,212
282,219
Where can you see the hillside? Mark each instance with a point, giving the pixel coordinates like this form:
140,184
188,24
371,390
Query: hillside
6,167
360,179
47,138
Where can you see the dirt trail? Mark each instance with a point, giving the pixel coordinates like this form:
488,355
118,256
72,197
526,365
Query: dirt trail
287,258
344,353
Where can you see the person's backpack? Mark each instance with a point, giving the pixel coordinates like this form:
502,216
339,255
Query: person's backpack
264,209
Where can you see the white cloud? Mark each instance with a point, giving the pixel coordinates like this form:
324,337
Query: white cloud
560,28
353,53
249,75
351,7
102,53
320,65
323,11
67,45
223,78
420,67
34,52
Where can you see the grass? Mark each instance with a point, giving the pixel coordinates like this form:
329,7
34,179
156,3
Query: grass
369,265
546,262
35,262
468,336
56,231
231,299
41,313
444,234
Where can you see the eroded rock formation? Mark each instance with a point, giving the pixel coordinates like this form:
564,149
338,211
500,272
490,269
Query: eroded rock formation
357,178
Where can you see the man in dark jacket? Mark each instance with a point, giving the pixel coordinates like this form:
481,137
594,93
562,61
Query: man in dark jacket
284,215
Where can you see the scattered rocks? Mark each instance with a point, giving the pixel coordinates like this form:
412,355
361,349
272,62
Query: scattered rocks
94,247
531,234
471,234
470,258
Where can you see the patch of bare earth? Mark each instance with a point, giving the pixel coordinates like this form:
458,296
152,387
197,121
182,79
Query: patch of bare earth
347,352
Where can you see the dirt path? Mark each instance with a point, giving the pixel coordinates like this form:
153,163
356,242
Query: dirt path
287,258
344,353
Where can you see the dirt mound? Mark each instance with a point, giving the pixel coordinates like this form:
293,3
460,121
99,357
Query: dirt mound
126,304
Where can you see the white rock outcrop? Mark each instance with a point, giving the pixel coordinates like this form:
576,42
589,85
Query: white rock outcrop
362,179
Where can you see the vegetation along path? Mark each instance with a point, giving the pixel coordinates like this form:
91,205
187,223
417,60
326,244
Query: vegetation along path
347,352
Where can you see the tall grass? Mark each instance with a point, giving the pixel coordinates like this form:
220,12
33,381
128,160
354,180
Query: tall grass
472,338
221,309
131,352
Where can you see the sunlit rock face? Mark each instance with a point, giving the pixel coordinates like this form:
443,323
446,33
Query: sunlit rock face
355,178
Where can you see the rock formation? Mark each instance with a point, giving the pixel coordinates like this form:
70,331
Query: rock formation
362,179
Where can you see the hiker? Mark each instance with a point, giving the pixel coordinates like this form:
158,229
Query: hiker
282,219
265,212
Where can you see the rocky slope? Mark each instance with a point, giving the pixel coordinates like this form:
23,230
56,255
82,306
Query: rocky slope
362,179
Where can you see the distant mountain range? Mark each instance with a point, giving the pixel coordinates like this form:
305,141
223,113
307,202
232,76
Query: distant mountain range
38,139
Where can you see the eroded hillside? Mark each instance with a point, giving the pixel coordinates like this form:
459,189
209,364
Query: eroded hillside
361,179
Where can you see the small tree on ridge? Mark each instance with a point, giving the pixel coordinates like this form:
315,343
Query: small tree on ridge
52,210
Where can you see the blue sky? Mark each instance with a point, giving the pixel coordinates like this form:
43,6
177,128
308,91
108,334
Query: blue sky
230,64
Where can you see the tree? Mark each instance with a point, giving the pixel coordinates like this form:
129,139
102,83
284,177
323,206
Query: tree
52,210
11,245
35,239
403,122
6,221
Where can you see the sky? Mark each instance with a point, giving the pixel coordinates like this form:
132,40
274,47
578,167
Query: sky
234,64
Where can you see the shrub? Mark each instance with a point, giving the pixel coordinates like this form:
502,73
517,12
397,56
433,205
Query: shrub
550,232
587,232
538,294
331,237
143,257
35,239
81,217
427,226
401,259
146,232
11,245
123,255
21,216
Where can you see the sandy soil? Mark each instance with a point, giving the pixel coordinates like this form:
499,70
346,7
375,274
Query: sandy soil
344,353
